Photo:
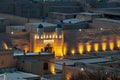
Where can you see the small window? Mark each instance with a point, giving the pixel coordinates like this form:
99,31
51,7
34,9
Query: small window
45,66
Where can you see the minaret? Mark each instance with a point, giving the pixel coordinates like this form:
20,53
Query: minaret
40,29
58,29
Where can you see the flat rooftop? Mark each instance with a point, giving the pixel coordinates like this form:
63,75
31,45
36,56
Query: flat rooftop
109,11
45,24
20,53
18,27
90,14
17,76
106,19
54,77
90,60
59,13
2,18
73,21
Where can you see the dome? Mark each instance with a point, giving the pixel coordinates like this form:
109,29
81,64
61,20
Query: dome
3,45
40,26
59,25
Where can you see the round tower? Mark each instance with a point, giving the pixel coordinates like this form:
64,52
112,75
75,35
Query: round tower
58,29
40,29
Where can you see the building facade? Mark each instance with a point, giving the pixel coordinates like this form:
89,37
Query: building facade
86,33
69,42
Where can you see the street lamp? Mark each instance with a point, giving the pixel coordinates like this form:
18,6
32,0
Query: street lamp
81,69
80,30
12,32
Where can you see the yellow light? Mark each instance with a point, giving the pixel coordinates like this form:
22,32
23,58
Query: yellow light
88,46
68,76
52,68
46,36
41,37
37,49
26,48
48,42
96,47
58,52
104,46
60,36
5,45
10,48
118,43
111,45
73,51
53,36
56,36
65,50
81,49
36,36
50,36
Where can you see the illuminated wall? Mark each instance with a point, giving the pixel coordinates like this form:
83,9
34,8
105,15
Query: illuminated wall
35,43
76,42
118,43
55,40
26,48
64,49
58,45
81,48
88,47
96,47
111,45
60,48
58,51
73,51
5,46
52,68
91,40
104,46
68,76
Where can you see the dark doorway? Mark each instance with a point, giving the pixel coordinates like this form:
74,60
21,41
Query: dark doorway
45,66
48,48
